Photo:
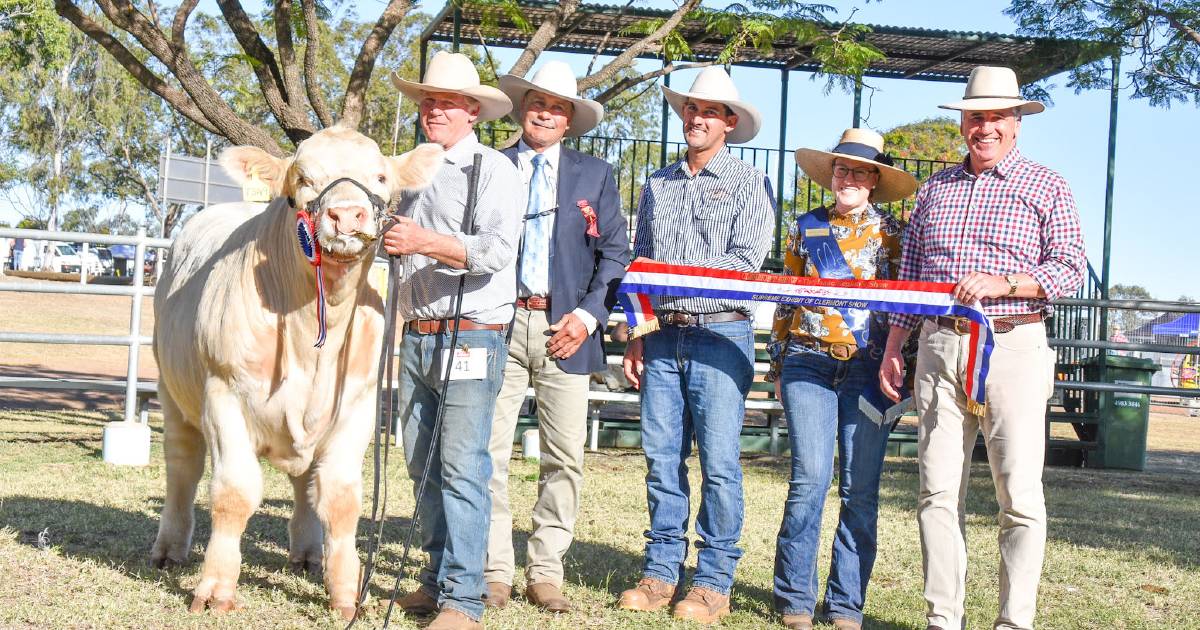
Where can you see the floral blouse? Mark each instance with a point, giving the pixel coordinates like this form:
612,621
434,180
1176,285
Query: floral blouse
870,242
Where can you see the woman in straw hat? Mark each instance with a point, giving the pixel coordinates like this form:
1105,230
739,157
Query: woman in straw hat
824,361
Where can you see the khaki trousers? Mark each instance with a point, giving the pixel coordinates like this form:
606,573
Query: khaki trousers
1014,429
562,428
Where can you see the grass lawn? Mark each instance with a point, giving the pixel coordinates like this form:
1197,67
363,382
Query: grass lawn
1124,551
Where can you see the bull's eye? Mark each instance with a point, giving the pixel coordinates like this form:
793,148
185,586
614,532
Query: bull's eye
382,179
305,182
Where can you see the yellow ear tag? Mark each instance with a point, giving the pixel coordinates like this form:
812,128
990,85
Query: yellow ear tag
255,189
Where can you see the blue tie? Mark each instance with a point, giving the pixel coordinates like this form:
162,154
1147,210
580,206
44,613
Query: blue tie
535,252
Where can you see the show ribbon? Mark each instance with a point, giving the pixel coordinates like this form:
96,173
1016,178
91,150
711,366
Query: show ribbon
306,234
646,277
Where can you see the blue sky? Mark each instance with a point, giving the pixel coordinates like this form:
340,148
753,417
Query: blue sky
1155,223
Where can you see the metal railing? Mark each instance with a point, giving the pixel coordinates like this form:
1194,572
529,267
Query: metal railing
634,160
134,340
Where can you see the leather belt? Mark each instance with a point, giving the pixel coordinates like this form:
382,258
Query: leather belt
680,318
838,350
439,326
534,303
1000,325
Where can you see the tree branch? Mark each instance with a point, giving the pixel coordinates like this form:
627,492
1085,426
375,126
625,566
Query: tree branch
175,98
543,36
311,50
287,51
295,123
629,82
214,109
1181,27
364,64
627,57
179,24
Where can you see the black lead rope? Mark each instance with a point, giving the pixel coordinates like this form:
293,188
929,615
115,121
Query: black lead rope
383,425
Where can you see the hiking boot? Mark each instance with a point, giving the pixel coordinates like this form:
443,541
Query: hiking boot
548,597
846,624
702,605
798,622
497,595
418,604
450,619
649,594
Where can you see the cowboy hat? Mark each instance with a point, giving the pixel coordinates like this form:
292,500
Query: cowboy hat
861,146
556,79
990,88
713,84
454,73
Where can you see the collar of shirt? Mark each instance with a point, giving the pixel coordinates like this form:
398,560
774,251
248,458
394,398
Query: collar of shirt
525,155
462,150
717,166
1005,167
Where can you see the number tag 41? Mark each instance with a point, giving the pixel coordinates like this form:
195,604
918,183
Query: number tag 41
468,364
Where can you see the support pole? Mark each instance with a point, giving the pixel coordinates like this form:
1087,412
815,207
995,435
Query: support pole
457,29
776,249
665,113
1105,269
857,103
418,137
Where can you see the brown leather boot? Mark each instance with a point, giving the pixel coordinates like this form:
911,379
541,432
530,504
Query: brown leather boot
418,604
497,595
450,619
702,605
798,622
846,624
548,597
649,594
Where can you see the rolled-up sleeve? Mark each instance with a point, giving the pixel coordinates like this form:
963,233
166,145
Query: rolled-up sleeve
497,219
1061,270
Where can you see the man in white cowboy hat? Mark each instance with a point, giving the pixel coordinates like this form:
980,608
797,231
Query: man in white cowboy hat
709,209
1004,230
437,250
824,361
572,258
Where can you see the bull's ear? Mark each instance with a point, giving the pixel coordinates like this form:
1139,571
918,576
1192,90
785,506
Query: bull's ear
245,163
416,168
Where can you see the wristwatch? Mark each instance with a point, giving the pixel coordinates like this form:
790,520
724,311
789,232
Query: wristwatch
1012,285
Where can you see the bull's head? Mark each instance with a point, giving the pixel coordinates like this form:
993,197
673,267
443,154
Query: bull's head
340,177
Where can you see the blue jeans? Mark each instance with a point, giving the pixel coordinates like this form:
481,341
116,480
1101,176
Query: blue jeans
695,384
821,400
456,508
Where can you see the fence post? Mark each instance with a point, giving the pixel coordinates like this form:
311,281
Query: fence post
135,328
83,263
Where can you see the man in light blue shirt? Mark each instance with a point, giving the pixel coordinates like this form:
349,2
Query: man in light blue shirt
438,252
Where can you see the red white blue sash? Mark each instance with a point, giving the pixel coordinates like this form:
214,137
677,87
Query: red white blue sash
647,277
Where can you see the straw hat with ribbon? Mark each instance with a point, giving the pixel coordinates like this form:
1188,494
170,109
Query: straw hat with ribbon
556,79
713,84
454,73
861,146
990,88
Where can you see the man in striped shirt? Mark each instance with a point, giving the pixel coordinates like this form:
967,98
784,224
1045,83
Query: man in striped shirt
1004,230
709,209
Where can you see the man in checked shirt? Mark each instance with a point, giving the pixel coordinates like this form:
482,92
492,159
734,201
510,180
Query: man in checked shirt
709,210
1005,230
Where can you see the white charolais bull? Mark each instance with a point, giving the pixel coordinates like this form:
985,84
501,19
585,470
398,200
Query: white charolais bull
236,322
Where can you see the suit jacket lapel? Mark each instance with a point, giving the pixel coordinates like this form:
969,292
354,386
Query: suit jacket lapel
567,176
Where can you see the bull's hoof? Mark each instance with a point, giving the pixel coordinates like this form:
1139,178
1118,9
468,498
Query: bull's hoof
166,562
345,610
216,605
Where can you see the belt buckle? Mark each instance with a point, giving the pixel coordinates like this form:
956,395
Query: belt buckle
679,318
962,326
840,351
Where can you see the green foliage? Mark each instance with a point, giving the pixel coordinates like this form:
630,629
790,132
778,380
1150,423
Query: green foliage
1128,320
1159,37
33,32
930,139
491,12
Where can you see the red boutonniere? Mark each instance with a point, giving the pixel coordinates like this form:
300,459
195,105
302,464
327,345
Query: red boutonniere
589,215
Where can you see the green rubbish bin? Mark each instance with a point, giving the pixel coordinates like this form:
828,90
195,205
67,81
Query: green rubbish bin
1124,416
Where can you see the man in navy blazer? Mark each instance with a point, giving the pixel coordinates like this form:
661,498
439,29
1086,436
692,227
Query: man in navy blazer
574,251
